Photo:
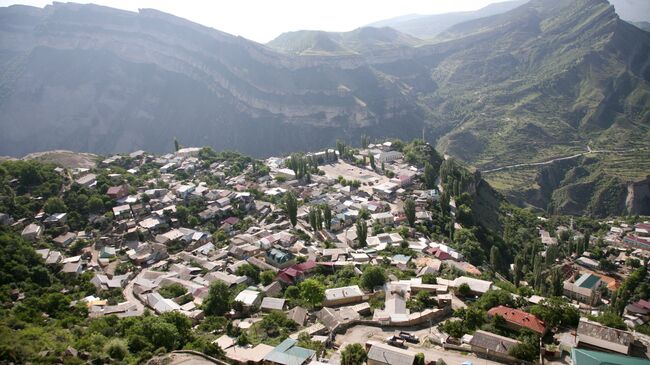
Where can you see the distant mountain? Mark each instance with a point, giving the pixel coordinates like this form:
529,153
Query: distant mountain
543,80
358,41
428,26
642,25
632,10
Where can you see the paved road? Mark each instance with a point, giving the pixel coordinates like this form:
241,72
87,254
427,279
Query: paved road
361,334
130,297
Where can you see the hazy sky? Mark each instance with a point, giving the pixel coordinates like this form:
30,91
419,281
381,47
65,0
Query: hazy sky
263,20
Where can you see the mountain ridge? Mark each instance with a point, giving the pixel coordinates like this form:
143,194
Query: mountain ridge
545,79
358,41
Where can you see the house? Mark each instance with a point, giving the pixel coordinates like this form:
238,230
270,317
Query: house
547,239
65,239
73,268
249,298
183,191
343,296
640,309
107,252
50,257
385,190
87,181
273,304
228,279
382,240
517,319
118,192
298,315
383,354
287,353
160,304
122,211
388,156
229,223
589,357
103,282
296,273
32,232
56,219
280,258
636,242
491,346
477,287
596,336
384,218
246,355
584,289
588,262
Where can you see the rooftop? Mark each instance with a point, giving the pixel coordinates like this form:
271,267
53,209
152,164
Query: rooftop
287,353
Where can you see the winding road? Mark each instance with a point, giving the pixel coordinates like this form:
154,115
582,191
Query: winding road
130,297
589,150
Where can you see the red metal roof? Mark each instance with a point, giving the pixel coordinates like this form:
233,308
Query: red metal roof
519,317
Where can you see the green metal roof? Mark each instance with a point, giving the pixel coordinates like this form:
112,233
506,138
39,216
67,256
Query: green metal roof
587,281
287,353
588,357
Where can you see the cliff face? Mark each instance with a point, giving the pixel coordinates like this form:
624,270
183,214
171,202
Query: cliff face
638,197
541,80
98,79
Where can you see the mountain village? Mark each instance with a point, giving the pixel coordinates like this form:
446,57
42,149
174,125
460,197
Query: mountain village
347,266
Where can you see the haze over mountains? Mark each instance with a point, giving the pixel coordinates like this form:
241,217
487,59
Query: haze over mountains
543,79
429,26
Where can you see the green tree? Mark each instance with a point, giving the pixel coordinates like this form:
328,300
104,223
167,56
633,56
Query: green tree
291,206
464,290
419,359
172,290
313,219
55,205
182,213
362,232
518,269
266,277
95,205
250,271
429,279
557,282
327,216
182,324
292,292
340,146
468,245
556,311
364,141
217,301
409,211
429,176
177,145
527,350
372,276
353,354
116,348
372,162
312,291
495,257
495,298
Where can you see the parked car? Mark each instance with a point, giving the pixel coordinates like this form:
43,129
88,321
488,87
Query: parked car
396,341
408,336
